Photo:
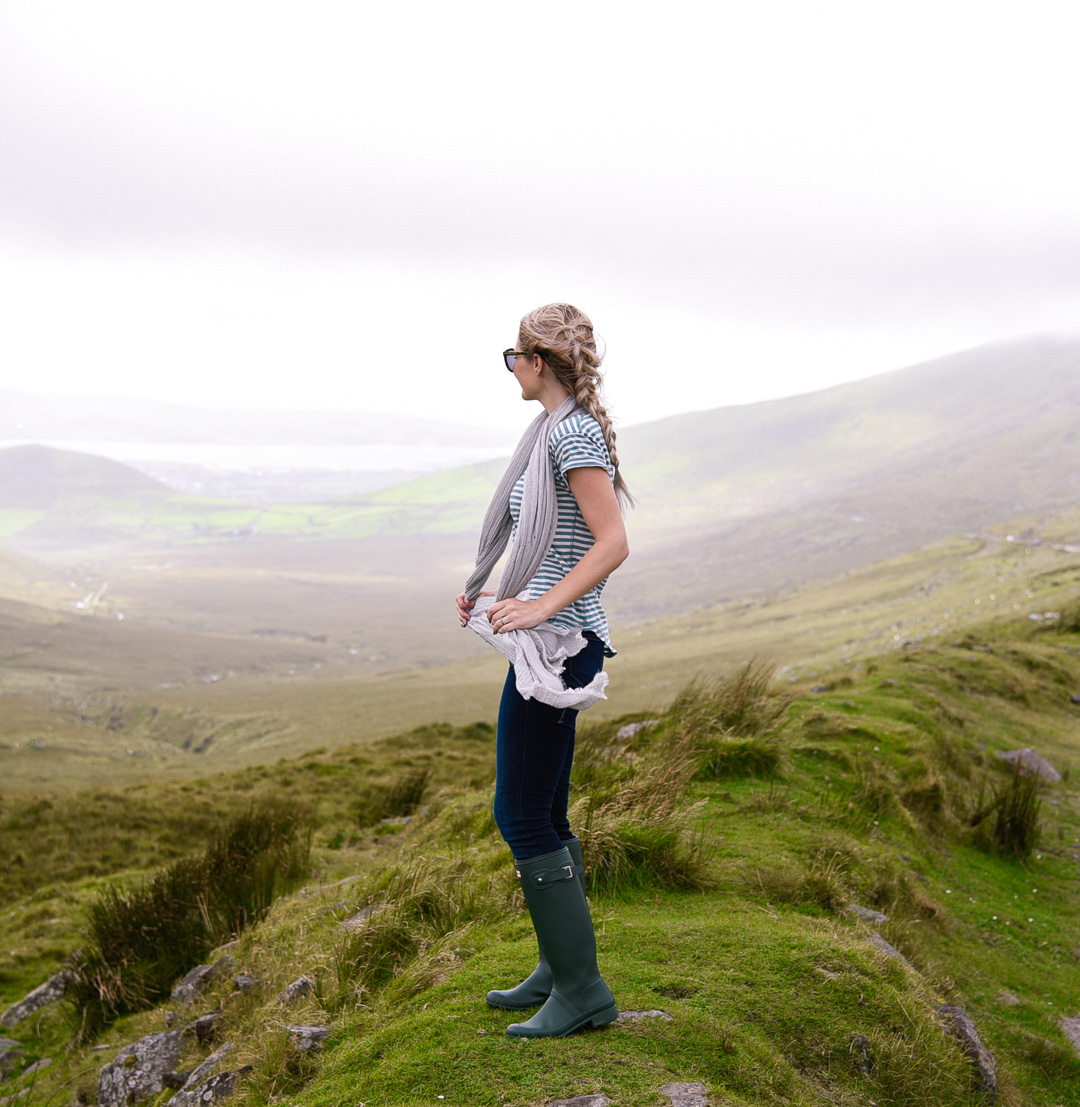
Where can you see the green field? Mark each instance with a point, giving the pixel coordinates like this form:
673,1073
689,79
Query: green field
766,978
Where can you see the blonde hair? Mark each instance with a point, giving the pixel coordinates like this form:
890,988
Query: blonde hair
563,336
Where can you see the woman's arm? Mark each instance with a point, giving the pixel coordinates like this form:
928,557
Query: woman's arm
591,487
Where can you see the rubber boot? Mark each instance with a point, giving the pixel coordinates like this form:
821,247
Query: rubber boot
564,928
536,987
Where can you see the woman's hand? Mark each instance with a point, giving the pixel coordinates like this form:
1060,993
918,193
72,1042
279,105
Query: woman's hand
464,607
512,614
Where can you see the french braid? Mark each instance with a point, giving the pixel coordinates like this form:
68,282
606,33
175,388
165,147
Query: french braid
563,336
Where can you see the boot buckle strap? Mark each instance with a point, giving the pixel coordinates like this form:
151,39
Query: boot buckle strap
553,876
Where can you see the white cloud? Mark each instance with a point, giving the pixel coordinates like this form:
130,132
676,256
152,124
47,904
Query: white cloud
351,205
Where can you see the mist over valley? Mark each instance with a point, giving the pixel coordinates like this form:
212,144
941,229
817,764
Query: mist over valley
183,627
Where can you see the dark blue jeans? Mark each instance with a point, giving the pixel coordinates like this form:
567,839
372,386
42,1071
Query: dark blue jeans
534,752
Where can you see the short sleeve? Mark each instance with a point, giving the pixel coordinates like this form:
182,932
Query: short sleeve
578,448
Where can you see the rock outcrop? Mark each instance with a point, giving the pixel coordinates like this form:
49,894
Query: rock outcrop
1029,763
958,1022
44,994
686,1095
298,989
196,981
308,1037
867,914
217,1087
202,1085
137,1070
1070,1027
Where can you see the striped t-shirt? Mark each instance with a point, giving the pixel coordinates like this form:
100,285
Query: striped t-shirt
577,442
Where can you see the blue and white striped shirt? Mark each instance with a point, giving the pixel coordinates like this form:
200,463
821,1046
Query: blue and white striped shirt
577,442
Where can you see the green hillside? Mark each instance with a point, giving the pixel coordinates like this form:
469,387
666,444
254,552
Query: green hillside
725,844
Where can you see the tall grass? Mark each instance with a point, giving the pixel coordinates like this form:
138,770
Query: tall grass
1017,815
732,724
394,799
409,908
140,940
636,825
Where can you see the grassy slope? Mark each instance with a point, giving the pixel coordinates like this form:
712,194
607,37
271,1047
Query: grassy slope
766,979
270,699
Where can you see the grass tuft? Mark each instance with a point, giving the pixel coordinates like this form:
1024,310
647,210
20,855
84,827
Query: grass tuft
408,908
140,940
637,827
732,723
394,799
1017,816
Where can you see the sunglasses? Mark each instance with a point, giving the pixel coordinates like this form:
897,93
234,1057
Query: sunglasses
510,356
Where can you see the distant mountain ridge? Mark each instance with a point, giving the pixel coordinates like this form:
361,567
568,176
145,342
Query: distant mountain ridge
731,501
772,494
38,478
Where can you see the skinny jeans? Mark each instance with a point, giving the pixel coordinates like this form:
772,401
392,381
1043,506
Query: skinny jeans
534,753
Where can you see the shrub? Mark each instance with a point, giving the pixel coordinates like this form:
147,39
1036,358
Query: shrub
394,799
732,724
637,829
409,907
1017,815
139,940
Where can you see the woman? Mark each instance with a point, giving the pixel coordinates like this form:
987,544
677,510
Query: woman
560,501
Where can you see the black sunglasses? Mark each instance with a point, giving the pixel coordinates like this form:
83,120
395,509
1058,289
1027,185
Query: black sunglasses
510,356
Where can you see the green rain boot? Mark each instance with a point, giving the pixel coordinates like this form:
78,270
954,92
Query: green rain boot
564,929
536,987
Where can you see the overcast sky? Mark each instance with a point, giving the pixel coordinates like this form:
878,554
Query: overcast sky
349,205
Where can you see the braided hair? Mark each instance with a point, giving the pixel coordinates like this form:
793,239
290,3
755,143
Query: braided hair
563,336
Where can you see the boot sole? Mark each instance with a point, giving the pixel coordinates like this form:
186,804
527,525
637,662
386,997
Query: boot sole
597,1019
501,1005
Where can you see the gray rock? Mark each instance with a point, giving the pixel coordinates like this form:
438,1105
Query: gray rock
633,1016
860,1046
6,1100
198,1075
198,1082
210,1091
889,950
625,733
205,1026
308,1037
37,1066
10,1052
686,1095
297,990
958,1022
247,983
354,922
581,1101
1075,697
867,914
1070,1027
196,981
1030,763
1007,999
137,1070
305,892
43,994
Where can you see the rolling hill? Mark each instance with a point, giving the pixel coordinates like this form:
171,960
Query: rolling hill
732,503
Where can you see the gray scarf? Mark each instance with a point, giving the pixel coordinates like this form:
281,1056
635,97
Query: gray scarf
538,654
539,511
